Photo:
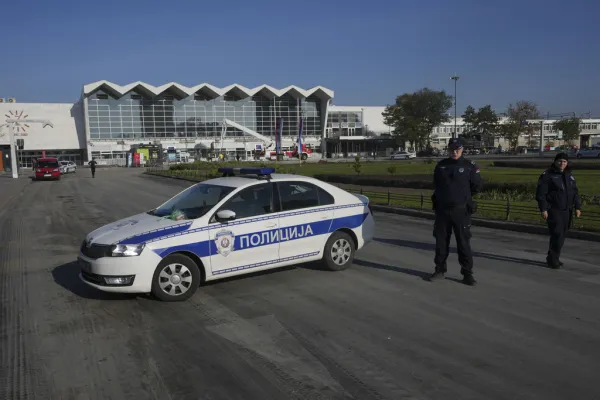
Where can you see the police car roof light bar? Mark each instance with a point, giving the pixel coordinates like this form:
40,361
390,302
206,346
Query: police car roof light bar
231,171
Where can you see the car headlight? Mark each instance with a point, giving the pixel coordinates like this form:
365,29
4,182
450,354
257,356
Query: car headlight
126,250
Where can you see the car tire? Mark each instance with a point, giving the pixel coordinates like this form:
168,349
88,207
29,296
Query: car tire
180,280
334,259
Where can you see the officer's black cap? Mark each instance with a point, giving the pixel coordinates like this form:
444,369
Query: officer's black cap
562,156
455,143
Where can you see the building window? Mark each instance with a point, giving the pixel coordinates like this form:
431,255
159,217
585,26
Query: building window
200,116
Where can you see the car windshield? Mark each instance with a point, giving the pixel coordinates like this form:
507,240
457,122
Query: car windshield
47,164
194,202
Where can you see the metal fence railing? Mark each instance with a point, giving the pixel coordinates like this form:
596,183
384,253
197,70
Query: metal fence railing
506,210
497,209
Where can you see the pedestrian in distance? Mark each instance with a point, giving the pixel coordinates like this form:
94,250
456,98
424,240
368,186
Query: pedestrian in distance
456,180
92,165
557,195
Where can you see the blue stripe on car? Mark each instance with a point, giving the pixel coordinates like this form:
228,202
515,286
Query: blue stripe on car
264,263
268,237
146,236
183,229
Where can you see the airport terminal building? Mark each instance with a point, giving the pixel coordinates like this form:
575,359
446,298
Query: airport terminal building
193,123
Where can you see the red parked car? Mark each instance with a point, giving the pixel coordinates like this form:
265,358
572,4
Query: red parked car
47,168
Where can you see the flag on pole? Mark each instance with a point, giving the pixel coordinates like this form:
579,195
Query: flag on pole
300,139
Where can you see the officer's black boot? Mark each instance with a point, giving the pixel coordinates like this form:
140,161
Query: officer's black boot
553,262
437,275
468,279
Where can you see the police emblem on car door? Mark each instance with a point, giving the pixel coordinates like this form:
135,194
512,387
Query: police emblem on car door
225,241
250,241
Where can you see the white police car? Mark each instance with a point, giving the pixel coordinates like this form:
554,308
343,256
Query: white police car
246,221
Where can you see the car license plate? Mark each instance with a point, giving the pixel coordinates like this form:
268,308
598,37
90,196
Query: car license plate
85,266
46,174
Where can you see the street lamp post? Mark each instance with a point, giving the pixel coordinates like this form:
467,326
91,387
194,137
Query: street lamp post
11,138
455,79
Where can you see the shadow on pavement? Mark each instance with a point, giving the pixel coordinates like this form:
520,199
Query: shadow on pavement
407,271
67,276
431,247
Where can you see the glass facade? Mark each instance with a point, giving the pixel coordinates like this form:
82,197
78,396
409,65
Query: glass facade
135,116
345,123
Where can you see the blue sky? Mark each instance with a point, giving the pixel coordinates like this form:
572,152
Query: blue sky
368,52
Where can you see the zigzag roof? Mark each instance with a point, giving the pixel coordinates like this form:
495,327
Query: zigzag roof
156,90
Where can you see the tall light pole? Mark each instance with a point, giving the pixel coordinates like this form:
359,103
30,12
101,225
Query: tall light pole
455,79
13,155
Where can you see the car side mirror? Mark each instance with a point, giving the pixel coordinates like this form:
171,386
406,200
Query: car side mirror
225,215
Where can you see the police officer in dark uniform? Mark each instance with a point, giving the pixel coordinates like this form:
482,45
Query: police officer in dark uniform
456,180
557,194
92,165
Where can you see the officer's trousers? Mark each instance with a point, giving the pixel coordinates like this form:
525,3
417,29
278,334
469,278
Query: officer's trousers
458,220
558,225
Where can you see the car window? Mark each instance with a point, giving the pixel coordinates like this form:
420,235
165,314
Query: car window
47,164
297,195
252,201
194,202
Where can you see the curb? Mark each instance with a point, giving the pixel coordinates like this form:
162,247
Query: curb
489,223
486,223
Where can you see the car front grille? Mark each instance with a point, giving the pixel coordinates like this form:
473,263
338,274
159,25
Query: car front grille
95,251
93,278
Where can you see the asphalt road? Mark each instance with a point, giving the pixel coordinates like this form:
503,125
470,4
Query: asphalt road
375,331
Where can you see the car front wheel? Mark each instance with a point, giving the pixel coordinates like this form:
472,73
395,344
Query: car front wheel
176,278
339,252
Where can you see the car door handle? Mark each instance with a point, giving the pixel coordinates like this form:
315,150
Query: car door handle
325,217
271,225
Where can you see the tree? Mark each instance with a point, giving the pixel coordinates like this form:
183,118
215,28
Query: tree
517,124
469,119
570,128
414,115
483,122
487,124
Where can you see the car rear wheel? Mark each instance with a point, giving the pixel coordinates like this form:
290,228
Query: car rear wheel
176,278
339,252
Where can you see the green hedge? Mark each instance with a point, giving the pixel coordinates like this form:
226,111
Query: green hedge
542,165
416,181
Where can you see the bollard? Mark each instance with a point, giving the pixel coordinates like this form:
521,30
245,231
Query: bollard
422,200
389,198
507,208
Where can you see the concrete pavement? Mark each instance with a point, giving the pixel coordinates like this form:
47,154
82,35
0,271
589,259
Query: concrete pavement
375,331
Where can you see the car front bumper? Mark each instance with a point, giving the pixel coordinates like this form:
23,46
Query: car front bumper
49,175
100,273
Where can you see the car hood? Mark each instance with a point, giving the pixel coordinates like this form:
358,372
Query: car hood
137,229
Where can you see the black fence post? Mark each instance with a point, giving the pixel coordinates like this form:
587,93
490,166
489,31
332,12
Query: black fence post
389,198
507,208
361,192
422,200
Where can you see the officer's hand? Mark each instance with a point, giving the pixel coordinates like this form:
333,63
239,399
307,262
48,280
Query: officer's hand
578,213
545,214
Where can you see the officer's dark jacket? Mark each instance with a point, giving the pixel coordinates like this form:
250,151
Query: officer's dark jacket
557,190
456,181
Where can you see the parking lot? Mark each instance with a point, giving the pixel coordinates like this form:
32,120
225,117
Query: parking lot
375,331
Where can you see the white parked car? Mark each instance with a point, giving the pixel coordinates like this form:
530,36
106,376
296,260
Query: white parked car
403,155
67,166
246,221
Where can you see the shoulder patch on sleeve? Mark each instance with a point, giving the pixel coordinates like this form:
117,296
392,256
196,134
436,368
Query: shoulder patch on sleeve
473,162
